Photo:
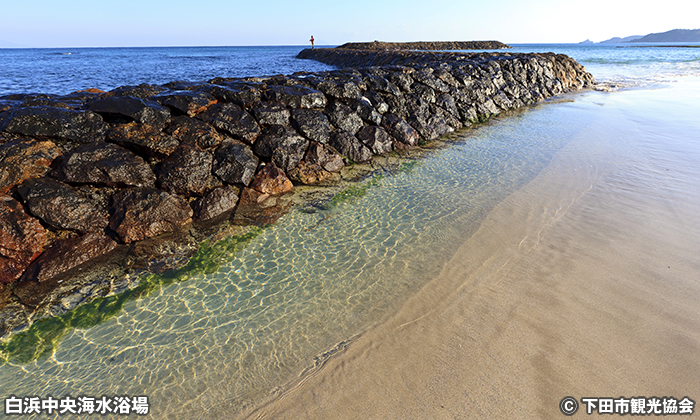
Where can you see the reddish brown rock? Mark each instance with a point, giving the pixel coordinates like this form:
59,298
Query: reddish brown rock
259,209
185,102
67,254
308,173
194,132
20,160
141,213
272,180
216,202
22,239
325,156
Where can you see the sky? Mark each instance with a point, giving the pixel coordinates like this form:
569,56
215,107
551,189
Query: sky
134,23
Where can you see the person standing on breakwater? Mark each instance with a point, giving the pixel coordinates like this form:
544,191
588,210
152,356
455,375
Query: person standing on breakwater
312,42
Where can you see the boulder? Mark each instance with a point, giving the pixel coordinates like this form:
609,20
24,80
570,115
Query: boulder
312,124
341,116
142,91
429,80
241,94
432,128
125,109
377,101
308,173
272,180
141,213
340,89
194,132
143,139
282,145
187,171
363,107
259,209
22,239
185,102
58,123
295,96
60,206
349,146
103,164
216,202
270,113
235,162
400,130
377,139
233,120
67,254
24,159
324,156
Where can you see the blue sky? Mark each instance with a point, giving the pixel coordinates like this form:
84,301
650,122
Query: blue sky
97,23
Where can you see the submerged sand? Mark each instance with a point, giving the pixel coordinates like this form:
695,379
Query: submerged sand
583,283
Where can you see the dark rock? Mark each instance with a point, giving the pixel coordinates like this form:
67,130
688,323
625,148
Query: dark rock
324,156
424,92
185,102
194,132
381,84
6,104
68,254
186,171
295,96
377,139
140,213
216,202
450,119
258,209
401,80
125,109
363,107
312,124
46,121
447,102
270,113
22,239
142,91
340,89
233,120
272,180
341,116
235,92
61,206
427,79
349,146
400,130
103,164
20,160
377,101
235,162
431,128
282,145
142,139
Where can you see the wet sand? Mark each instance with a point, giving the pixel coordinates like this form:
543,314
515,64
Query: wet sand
583,283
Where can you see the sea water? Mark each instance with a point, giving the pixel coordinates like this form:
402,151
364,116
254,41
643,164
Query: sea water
218,344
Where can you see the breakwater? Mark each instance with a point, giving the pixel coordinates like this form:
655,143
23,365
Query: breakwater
434,45
139,174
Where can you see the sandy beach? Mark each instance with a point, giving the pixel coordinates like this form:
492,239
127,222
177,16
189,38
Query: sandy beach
582,283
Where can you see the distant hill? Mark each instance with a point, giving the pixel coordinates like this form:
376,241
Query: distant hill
675,35
617,39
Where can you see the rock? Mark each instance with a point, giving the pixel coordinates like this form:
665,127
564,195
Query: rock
235,162
312,124
233,120
62,207
295,96
340,89
194,132
324,156
363,107
241,94
22,239
216,202
103,164
430,81
187,171
142,91
58,123
400,130
282,145
379,83
24,159
141,213
185,102
65,255
143,139
126,109
447,102
377,101
271,113
432,128
258,209
377,139
450,119
272,180
349,146
308,173
341,116
424,92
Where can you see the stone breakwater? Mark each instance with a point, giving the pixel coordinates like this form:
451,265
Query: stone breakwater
434,45
137,177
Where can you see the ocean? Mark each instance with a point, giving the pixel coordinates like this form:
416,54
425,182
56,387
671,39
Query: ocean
309,288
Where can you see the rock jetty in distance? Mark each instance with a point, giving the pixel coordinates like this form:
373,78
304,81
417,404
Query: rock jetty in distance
432,45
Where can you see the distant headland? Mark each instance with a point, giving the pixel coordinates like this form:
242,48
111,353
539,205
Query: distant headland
675,35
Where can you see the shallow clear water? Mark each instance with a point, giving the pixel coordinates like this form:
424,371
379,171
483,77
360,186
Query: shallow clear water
217,343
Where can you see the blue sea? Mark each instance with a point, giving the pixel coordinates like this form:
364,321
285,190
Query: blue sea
304,292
